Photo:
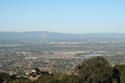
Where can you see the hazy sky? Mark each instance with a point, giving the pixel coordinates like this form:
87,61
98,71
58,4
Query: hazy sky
72,16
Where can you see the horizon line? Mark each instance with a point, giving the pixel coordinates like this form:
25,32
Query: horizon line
67,32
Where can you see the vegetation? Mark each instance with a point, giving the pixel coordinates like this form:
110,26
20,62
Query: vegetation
120,73
93,70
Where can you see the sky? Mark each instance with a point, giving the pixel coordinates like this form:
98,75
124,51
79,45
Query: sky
68,16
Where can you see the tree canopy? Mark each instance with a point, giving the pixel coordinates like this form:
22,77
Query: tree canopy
95,70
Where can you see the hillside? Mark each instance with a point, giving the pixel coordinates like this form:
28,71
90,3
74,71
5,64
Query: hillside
44,35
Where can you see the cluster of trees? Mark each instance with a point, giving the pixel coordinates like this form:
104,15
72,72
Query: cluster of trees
93,70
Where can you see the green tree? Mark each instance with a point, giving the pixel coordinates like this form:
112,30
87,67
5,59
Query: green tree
116,75
68,78
4,77
37,70
13,77
47,79
95,70
121,72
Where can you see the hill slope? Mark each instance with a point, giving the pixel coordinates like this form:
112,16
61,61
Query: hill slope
59,36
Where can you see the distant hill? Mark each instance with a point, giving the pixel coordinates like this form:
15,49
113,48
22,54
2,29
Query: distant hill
44,35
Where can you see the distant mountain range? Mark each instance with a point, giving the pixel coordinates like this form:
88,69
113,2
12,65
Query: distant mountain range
44,35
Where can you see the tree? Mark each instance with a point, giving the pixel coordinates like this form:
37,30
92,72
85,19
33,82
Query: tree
46,78
13,77
95,70
68,78
37,70
116,75
4,77
120,73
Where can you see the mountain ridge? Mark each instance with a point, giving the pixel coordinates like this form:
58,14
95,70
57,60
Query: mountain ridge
59,36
